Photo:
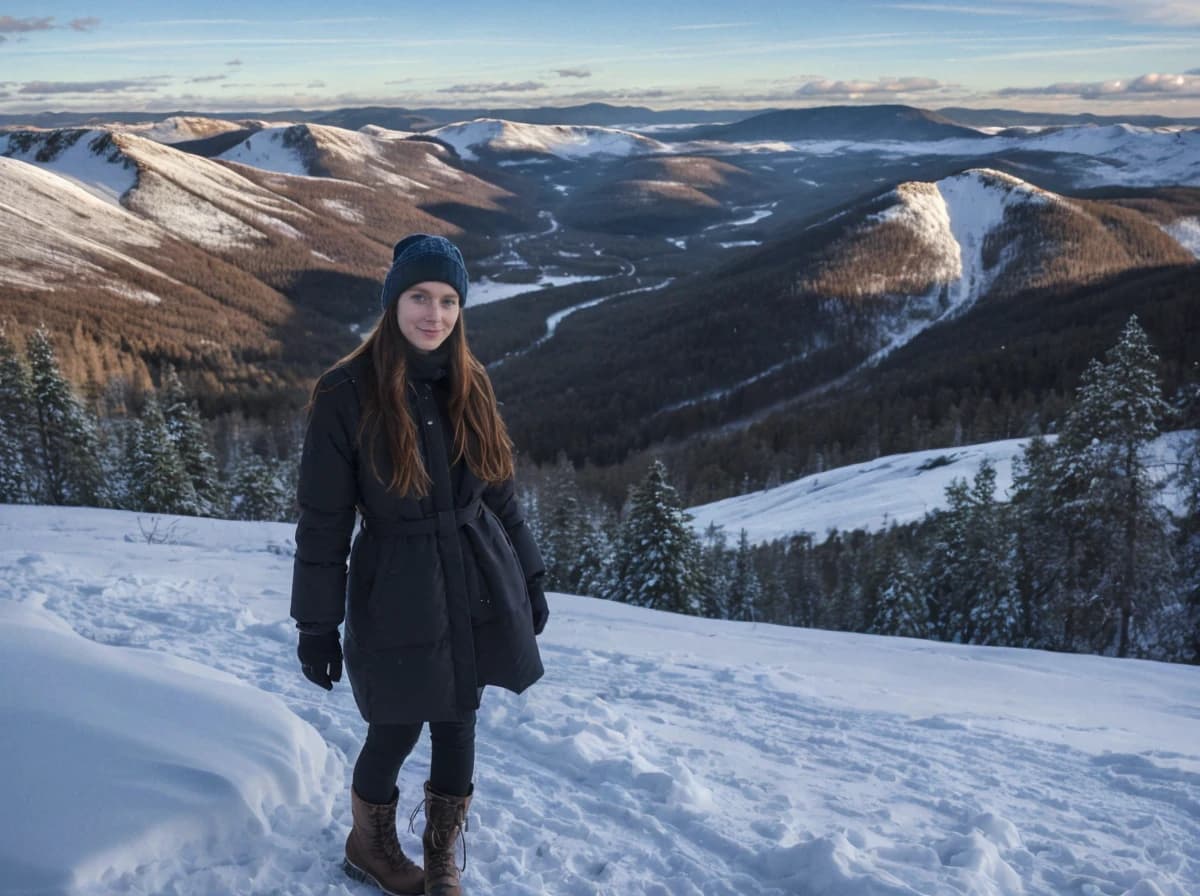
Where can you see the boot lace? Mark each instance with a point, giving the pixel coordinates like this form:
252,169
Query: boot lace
384,842
442,860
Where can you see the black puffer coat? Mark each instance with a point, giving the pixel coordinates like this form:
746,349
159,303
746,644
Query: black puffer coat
436,601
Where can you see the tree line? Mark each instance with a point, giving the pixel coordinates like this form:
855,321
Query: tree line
54,449
1087,556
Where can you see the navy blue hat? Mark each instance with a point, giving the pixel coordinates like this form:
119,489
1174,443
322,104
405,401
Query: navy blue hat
422,257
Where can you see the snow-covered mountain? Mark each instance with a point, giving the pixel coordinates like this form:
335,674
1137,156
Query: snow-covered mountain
931,250
182,128
659,755
500,139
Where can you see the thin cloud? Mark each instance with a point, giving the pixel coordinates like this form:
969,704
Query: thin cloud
53,88
715,26
234,62
573,72
499,87
315,85
204,79
959,10
1144,86
858,89
85,24
9,25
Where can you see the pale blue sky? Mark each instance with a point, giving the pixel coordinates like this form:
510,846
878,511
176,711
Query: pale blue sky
1070,55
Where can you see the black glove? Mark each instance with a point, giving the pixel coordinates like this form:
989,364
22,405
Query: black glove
537,605
321,658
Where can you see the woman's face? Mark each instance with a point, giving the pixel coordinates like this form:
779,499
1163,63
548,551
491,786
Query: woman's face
427,312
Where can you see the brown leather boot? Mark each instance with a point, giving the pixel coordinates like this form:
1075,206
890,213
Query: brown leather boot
373,853
445,820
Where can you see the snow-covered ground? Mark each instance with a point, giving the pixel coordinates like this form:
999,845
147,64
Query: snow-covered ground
660,755
897,488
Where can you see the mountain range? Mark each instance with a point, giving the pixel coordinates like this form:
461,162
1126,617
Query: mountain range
681,291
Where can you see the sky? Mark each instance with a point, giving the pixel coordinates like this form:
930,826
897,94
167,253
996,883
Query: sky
1101,56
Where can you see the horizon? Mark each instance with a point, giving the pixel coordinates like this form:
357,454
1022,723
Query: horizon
1068,57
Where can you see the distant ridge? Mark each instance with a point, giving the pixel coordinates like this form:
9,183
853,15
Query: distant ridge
1004,118
401,119
858,123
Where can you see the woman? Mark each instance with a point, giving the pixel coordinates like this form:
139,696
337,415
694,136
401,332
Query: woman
442,595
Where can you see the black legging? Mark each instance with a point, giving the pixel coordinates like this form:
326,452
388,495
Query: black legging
387,746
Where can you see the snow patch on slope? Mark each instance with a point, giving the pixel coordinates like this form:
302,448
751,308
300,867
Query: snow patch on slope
179,128
269,149
563,141
90,159
897,488
1186,232
977,202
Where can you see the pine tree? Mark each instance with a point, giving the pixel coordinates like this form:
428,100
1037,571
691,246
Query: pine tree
657,559
718,570
67,448
902,610
258,492
186,432
17,481
1122,563
158,482
1039,548
745,589
968,566
1184,621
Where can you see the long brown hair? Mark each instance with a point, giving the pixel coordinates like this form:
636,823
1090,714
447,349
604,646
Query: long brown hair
480,436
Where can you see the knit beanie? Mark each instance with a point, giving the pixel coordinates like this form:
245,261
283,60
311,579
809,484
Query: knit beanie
422,257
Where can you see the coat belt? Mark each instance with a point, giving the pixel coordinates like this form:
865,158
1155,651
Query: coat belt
444,523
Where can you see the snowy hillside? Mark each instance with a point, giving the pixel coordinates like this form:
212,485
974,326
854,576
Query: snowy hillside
898,488
662,755
564,141
180,128
1117,154
271,150
91,160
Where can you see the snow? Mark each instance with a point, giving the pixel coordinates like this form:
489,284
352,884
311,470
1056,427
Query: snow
179,128
162,755
896,488
660,755
564,141
57,229
107,174
484,291
976,202
1187,232
266,150
1122,154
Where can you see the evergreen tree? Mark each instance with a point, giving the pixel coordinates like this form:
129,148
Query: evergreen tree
1184,621
1039,548
157,479
967,568
718,570
656,563
566,529
258,491
17,481
902,610
1121,564
745,589
67,447
186,433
